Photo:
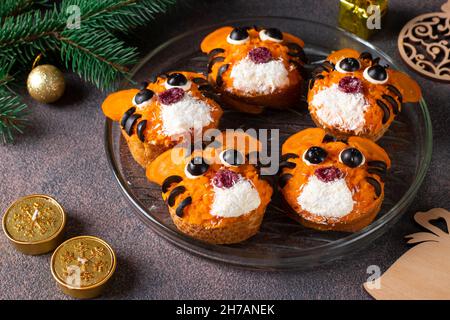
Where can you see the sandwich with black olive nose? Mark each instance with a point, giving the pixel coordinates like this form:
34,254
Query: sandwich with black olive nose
352,93
332,184
163,113
253,68
214,195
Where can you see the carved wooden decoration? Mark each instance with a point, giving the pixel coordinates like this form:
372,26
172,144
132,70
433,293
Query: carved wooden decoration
423,272
424,44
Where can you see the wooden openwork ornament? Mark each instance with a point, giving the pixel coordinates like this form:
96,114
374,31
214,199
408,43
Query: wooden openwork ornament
423,271
424,44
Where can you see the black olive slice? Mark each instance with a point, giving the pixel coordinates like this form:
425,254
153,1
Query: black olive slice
140,129
239,34
283,180
392,102
169,181
126,115
287,164
214,61
222,69
288,156
376,171
183,204
375,184
232,157
378,164
130,123
349,64
174,194
215,51
395,91
328,65
377,73
351,157
199,81
176,79
274,33
205,87
328,138
143,95
386,112
315,155
197,166
365,56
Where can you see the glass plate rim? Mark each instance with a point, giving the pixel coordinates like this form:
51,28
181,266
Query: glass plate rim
348,242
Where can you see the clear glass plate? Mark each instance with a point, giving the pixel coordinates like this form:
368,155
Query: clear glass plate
281,243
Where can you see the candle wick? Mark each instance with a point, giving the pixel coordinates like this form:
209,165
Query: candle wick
35,215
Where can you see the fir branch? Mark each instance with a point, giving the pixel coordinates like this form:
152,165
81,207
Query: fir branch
13,111
106,58
100,58
12,115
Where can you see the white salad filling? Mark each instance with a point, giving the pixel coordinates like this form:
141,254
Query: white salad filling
236,201
327,199
259,78
185,115
342,110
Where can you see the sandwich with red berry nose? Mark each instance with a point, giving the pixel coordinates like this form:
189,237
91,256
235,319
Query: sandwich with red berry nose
352,93
214,195
332,184
253,68
163,113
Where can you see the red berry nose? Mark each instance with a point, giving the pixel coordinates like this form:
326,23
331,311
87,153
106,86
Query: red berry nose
171,95
328,174
260,55
350,85
225,178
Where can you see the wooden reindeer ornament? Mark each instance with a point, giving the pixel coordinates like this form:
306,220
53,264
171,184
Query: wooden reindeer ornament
423,272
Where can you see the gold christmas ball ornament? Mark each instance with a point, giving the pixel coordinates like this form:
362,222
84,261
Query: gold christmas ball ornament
46,83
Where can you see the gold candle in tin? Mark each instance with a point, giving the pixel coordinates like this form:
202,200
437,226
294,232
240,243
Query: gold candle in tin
82,266
35,224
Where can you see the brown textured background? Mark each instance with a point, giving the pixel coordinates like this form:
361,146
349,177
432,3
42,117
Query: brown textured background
62,155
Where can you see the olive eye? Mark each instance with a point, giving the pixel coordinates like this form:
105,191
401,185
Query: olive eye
238,36
314,155
142,98
352,157
196,167
231,157
376,74
177,80
271,34
348,65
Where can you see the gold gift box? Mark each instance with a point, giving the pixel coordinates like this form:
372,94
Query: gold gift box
34,224
82,266
354,16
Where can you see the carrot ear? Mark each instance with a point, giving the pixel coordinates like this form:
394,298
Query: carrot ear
291,38
117,103
370,149
215,38
408,87
311,136
343,53
169,163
